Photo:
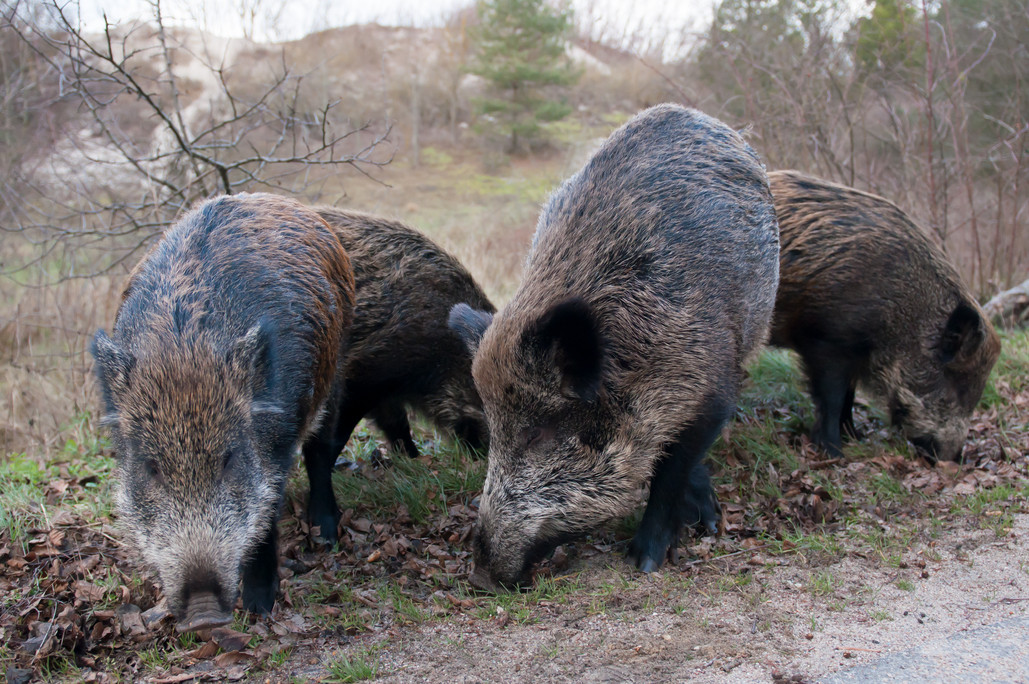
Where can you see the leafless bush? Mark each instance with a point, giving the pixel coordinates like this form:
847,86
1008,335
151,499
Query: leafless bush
115,135
158,131
927,109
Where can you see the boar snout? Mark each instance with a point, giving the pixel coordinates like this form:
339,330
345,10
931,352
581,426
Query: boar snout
204,611
204,605
480,579
937,450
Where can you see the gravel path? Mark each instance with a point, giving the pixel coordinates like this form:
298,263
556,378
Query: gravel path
997,653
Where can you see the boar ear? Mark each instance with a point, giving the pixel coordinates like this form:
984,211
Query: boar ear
469,324
254,355
962,334
571,331
113,365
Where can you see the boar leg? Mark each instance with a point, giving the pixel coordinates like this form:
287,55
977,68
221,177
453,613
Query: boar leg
700,505
831,383
680,491
319,459
261,572
391,418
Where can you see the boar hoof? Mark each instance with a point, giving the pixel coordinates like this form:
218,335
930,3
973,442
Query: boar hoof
649,554
326,531
831,448
706,519
260,599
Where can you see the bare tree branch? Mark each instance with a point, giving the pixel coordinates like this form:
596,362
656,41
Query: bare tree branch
139,151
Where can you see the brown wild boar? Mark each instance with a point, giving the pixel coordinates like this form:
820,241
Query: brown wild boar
650,281
225,358
400,351
868,299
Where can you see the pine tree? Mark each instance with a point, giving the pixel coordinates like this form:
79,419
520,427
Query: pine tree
521,52
890,39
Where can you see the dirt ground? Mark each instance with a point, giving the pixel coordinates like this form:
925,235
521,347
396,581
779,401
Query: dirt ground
773,629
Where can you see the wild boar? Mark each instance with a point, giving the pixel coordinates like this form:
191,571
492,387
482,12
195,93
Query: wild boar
400,351
225,358
868,299
650,281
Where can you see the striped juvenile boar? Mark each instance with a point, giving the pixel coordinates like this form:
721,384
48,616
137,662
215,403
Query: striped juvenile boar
866,298
650,281
225,354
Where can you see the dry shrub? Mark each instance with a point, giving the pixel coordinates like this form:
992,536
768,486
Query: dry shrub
45,371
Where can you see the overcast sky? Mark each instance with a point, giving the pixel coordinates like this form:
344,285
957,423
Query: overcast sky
615,18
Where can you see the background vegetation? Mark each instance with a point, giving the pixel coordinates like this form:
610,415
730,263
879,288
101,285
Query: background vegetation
462,129
107,138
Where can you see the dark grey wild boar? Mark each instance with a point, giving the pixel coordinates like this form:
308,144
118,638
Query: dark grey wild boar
866,298
400,351
225,356
650,281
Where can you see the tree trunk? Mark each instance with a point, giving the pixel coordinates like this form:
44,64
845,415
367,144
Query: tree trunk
1010,309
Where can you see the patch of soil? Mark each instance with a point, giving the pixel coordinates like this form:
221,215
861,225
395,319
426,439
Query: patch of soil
774,628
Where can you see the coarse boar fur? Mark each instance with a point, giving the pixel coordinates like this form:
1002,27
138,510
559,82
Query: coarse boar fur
650,281
867,298
226,352
400,351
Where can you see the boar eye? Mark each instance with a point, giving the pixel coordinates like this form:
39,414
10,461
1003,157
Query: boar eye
152,470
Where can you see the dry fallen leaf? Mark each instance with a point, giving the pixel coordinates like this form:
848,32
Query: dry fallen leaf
229,639
233,658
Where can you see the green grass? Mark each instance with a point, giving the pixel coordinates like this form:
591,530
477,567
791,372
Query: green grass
774,377
154,657
22,481
188,641
773,406
761,456
353,615
992,508
25,481
432,156
356,667
823,583
522,606
1011,371
421,488
530,189
816,544
405,609
278,658
735,581
550,652
59,668
889,546
985,500
886,489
